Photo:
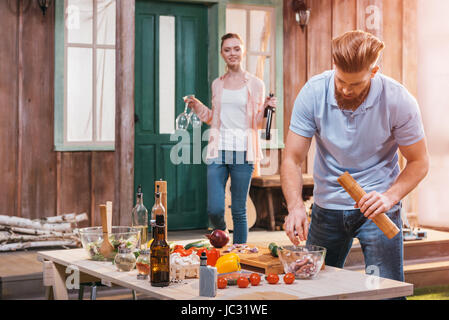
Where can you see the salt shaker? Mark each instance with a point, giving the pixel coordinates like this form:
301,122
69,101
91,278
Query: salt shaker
208,278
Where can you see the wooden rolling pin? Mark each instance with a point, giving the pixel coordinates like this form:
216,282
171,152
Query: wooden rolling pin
356,192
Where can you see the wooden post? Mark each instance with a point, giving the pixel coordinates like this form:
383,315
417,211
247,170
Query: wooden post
163,190
124,118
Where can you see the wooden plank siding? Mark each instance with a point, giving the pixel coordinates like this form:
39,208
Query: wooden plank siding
35,180
8,109
35,98
124,112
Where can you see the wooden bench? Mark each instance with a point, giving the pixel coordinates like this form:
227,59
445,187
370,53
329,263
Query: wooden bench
264,187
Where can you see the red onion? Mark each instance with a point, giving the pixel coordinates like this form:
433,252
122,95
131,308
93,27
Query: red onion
218,238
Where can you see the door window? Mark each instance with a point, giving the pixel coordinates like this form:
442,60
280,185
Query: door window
167,69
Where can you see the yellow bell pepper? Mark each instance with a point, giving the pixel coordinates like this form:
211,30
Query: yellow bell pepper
228,263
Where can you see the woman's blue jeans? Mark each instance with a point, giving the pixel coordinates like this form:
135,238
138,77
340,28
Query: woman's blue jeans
335,230
234,164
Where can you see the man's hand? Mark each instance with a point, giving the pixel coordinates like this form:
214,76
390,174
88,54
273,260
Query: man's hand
295,152
297,221
374,203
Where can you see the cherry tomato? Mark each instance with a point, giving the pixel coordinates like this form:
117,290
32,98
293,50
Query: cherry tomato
243,282
254,278
272,278
222,283
289,278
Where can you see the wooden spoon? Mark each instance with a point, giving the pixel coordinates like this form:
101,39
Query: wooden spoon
106,248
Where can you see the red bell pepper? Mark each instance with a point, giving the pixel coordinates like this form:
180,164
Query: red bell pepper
212,255
183,252
177,247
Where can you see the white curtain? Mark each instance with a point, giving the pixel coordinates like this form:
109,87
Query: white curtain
433,97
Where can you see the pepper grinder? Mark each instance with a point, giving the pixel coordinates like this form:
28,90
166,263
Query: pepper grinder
208,278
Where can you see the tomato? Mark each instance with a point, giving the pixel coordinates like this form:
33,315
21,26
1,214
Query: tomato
243,282
289,278
222,283
272,278
254,278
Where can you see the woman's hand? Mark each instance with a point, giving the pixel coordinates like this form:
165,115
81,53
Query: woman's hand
192,102
270,101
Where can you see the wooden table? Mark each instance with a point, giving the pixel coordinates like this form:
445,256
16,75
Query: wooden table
330,283
270,183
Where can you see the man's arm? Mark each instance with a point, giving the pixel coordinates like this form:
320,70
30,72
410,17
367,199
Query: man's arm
295,152
415,170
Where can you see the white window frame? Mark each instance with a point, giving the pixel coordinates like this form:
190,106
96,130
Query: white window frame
272,52
61,142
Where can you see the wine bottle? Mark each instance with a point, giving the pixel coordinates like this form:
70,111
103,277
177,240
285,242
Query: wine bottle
140,217
158,208
269,110
160,255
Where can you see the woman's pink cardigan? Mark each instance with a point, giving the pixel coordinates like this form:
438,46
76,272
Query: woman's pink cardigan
254,109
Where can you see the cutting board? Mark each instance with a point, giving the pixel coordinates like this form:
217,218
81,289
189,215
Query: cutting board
262,262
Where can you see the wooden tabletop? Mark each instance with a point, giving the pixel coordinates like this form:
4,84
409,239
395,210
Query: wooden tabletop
331,283
274,181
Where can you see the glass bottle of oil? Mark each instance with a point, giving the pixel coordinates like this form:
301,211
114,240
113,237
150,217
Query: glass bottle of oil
140,217
157,209
160,255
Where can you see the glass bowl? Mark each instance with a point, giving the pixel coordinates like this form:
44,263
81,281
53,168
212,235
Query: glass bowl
92,238
304,262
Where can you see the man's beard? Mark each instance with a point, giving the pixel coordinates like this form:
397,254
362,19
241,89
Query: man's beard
353,103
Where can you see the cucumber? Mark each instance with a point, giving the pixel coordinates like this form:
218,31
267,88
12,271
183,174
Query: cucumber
273,249
197,244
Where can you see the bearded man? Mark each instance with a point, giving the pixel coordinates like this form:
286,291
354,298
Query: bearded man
360,119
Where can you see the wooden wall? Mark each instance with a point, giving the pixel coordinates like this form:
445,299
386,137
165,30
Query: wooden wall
35,180
308,52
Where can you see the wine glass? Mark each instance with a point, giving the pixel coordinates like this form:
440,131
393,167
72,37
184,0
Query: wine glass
182,121
193,118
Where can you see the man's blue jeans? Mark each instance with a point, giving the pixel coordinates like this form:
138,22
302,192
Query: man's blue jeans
335,230
234,164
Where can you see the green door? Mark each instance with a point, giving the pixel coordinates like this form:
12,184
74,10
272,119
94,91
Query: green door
171,62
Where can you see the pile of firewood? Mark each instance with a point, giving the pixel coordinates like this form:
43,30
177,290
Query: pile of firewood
19,233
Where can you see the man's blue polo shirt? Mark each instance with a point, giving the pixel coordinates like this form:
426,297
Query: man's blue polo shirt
364,142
